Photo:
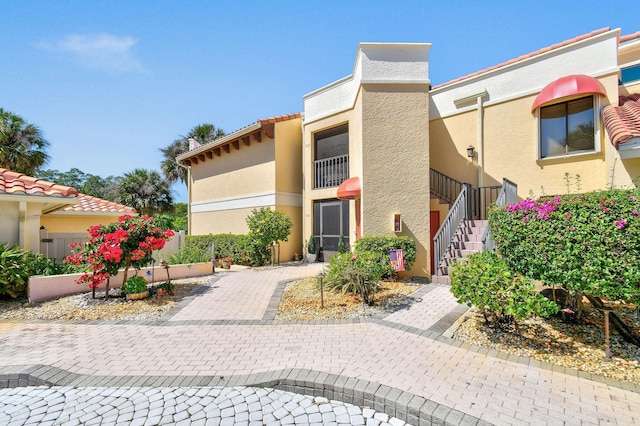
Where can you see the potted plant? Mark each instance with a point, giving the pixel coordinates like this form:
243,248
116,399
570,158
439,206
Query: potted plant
135,288
227,262
311,250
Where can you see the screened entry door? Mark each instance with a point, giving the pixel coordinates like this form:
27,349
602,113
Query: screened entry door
330,220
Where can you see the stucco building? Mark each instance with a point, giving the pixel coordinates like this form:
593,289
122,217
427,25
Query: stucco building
256,166
383,151
44,217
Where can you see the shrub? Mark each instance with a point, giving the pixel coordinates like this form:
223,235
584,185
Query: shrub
135,284
586,243
311,247
14,270
265,227
484,280
197,248
356,273
382,244
342,245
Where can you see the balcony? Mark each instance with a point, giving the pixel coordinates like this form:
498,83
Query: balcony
330,172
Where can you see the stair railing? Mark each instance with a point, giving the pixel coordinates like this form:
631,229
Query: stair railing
457,214
508,194
445,187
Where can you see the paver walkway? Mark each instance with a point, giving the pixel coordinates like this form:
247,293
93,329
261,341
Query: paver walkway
400,365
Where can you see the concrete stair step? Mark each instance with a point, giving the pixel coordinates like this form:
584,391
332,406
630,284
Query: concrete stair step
441,279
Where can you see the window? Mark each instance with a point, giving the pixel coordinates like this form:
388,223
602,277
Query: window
568,128
630,74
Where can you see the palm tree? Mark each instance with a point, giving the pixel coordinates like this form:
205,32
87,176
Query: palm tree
146,191
22,146
202,133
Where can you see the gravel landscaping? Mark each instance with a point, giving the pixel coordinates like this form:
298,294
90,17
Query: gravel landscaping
578,345
83,307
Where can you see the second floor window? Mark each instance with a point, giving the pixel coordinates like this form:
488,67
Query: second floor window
567,128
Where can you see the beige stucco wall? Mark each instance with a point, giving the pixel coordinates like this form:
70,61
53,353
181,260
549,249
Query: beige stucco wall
249,170
226,189
510,151
9,223
74,223
288,156
395,158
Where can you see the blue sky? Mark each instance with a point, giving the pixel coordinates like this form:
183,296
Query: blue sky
111,82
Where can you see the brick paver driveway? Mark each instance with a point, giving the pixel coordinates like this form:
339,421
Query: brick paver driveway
400,364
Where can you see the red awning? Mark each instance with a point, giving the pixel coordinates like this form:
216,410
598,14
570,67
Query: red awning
568,86
349,189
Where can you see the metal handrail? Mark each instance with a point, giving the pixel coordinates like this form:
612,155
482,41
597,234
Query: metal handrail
331,172
445,187
457,214
508,194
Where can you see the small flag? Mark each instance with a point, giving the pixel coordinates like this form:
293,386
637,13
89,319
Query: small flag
397,259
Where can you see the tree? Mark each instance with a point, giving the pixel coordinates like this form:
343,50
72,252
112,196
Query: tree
146,191
267,226
95,186
202,133
22,146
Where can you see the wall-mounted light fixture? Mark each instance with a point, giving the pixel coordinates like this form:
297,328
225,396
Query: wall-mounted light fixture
470,151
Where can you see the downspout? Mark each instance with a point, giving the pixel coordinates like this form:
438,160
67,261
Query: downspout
480,139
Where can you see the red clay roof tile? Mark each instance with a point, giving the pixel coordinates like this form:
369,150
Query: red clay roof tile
630,36
623,122
13,183
89,204
523,57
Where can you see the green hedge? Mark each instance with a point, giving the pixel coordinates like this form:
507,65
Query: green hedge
484,280
588,243
382,244
197,248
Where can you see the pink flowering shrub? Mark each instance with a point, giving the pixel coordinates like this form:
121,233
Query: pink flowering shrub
123,244
587,243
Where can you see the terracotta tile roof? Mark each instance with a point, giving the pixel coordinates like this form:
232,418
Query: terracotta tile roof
629,37
233,141
527,56
278,118
89,204
623,122
13,183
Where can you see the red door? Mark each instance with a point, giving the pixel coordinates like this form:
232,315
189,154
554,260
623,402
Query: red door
434,225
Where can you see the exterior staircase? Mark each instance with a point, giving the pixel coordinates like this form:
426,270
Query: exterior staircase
466,240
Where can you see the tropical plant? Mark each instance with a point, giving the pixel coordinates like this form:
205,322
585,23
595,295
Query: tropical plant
123,244
356,273
266,227
22,146
202,133
14,270
146,191
586,243
485,281
95,186
135,284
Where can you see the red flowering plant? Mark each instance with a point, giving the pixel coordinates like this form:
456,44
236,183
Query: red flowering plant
127,243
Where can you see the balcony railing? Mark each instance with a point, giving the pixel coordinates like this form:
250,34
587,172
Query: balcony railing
330,172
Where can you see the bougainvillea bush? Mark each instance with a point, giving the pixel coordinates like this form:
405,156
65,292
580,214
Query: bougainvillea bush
588,243
123,244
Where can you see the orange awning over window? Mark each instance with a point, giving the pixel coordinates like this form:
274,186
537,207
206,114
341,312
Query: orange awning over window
349,189
568,86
